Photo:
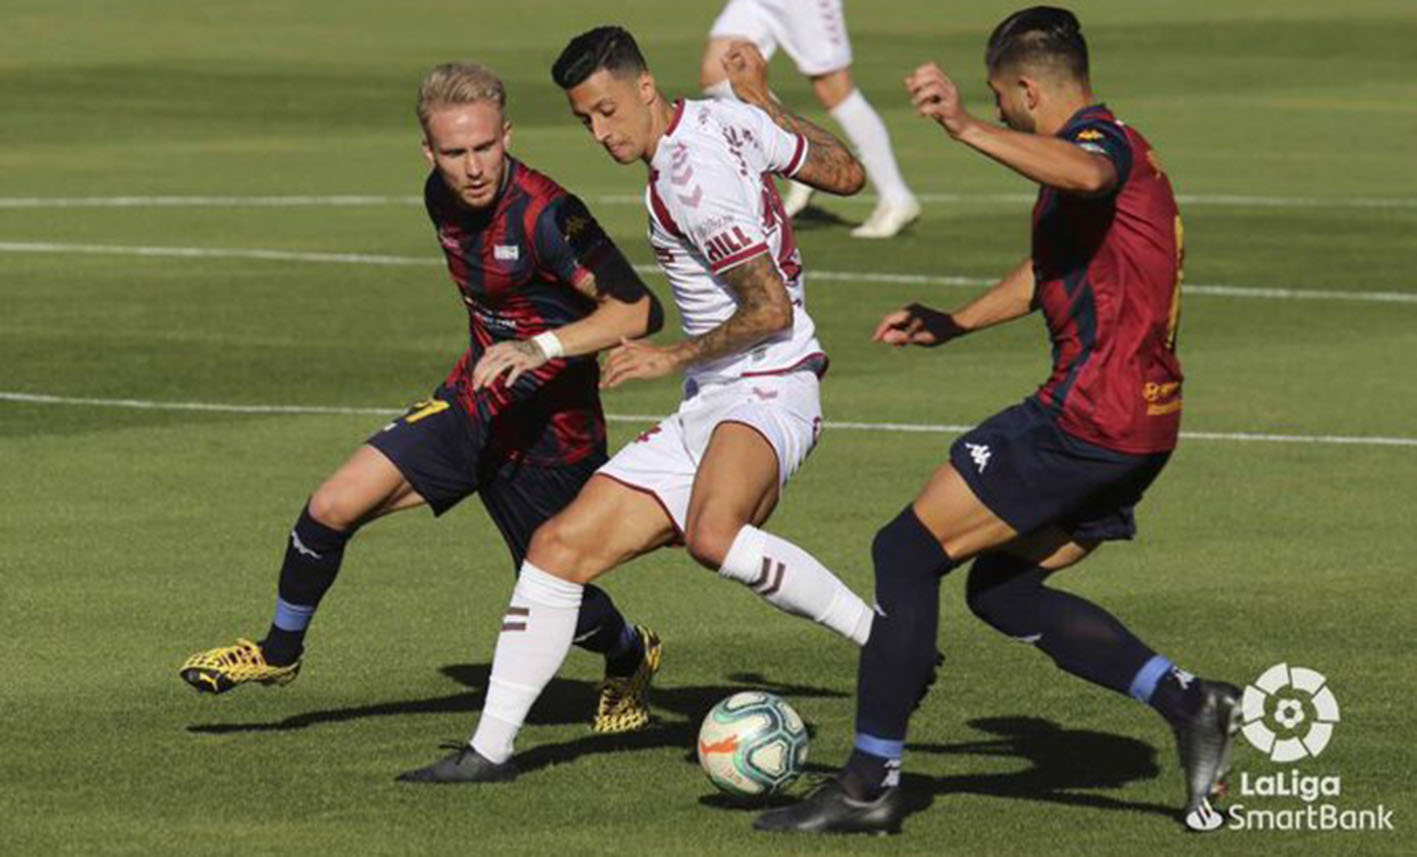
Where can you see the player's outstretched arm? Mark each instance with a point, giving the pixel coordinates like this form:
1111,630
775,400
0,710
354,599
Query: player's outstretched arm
830,166
764,308
917,324
625,309
1047,160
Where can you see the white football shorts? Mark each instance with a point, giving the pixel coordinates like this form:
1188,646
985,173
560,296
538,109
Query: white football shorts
812,32
785,409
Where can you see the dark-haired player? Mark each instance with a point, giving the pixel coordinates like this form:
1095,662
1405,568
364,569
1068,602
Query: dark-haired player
711,474
1039,486
517,422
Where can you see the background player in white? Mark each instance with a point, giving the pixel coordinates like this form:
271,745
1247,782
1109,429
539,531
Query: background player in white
813,34
710,474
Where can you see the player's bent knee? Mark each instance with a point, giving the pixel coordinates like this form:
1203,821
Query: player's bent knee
331,506
999,590
708,541
906,550
833,87
549,548
557,550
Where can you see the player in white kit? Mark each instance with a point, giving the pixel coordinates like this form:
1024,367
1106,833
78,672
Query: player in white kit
709,475
813,34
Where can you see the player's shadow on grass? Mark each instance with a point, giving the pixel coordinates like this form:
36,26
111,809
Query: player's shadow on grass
812,217
1067,765
565,701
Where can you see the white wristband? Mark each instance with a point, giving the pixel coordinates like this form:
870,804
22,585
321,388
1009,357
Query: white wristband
549,345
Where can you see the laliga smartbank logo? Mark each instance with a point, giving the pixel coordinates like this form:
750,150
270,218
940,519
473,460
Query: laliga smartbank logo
1289,714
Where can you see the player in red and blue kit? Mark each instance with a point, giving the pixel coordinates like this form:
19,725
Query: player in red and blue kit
1037,487
518,421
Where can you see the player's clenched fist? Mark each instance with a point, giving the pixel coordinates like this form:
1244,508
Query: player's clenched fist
747,72
917,324
633,359
936,97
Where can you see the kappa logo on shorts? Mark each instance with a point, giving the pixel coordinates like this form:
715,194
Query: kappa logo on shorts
979,453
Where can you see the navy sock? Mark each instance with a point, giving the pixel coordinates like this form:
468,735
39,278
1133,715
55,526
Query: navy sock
867,775
601,628
1080,637
898,662
312,559
626,655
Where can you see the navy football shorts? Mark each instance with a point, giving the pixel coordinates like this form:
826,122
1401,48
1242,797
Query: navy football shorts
1032,474
443,455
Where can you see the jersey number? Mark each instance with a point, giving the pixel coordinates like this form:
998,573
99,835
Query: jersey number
1175,318
427,409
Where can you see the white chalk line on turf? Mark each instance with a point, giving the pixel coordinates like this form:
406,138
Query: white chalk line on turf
1223,200
640,419
271,255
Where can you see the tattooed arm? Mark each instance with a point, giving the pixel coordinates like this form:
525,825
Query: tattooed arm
764,309
830,165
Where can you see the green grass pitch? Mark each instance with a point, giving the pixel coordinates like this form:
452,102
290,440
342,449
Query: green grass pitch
130,537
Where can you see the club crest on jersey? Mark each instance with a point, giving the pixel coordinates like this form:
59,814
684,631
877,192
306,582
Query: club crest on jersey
575,224
506,252
725,244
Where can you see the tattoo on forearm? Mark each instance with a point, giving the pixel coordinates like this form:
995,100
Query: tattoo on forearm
830,165
762,304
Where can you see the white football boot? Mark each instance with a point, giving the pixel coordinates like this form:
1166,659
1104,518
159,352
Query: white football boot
888,219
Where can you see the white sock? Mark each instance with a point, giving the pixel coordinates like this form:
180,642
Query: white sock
722,89
866,131
536,634
793,581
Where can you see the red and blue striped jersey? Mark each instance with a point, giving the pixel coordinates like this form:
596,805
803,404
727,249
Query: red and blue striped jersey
517,264
1108,277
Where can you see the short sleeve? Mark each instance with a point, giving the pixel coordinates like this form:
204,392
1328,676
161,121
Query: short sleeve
719,210
1106,138
569,242
784,151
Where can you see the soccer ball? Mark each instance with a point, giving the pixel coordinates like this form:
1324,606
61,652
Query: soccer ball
752,744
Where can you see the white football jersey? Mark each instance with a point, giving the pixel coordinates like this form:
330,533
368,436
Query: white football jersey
712,205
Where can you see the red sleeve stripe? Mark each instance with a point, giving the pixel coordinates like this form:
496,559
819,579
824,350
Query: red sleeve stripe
798,157
741,256
661,212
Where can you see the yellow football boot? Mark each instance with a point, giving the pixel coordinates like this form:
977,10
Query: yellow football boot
219,670
624,700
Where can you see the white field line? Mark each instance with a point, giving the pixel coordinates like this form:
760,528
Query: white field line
640,419
1223,200
1261,292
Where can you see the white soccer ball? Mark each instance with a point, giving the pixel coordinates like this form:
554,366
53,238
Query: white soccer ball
752,744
